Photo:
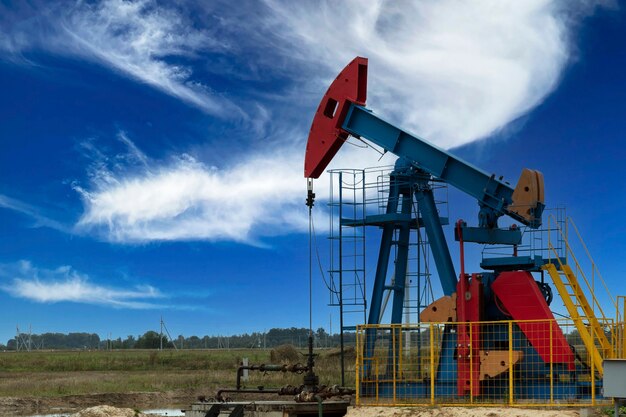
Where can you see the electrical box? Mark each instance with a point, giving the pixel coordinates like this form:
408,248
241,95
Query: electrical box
614,381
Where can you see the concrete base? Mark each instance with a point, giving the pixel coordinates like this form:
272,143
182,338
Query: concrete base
330,408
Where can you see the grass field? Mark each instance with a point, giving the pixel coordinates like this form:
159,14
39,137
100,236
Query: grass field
46,374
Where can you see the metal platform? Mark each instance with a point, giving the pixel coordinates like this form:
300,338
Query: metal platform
289,408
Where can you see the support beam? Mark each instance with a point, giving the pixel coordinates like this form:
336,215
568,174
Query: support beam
436,238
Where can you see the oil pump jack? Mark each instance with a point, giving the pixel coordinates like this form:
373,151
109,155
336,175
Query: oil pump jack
473,355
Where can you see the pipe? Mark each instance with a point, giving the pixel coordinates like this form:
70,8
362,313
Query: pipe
296,369
320,412
245,391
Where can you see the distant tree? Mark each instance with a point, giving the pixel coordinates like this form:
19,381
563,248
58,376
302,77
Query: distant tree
129,342
58,341
152,340
296,336
193,342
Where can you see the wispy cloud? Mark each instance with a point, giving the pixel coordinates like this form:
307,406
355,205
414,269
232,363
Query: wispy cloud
64,284
150,42
452,71
40,220
184,199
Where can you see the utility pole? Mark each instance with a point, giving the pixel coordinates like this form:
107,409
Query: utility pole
169,336
161,335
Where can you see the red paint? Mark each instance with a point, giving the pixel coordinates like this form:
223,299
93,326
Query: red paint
469,302
327,135
520,295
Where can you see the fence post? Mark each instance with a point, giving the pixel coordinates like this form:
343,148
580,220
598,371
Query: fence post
471,355
359,361
357,384
432,365
394,359
510,362
593,371
624,329
400,352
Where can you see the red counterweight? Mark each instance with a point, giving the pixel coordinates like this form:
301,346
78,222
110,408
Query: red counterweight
522,298
327,135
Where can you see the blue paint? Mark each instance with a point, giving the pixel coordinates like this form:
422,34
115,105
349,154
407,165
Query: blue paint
492,194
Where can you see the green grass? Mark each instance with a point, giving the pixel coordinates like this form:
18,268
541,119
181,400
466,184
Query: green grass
46,374
126,360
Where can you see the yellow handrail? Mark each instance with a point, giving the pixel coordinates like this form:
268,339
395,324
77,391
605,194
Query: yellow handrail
593,264
579,269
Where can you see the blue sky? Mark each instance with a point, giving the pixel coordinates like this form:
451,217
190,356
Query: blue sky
151,153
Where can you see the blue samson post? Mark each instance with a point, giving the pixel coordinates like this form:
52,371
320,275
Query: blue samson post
405,182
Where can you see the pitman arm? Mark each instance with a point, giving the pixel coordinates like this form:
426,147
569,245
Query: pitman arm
342,113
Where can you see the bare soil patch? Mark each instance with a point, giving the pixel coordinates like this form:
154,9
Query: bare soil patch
457,412
24,406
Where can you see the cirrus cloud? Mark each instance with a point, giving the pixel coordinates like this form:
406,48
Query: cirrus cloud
65,284
184,199
454,72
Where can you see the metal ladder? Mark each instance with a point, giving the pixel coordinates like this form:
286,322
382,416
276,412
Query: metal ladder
585,320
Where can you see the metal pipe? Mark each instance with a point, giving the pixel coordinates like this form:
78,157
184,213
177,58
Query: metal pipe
245,391
297,369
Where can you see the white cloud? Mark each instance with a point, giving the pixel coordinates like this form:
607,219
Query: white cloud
137,38
258,196
186,200
451,71
65,284
152,43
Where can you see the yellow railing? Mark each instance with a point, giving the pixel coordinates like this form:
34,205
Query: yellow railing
405,365
620,328
576,282
593,275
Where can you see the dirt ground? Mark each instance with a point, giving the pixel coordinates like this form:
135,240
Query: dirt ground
457,412
121,403
24,406
107,411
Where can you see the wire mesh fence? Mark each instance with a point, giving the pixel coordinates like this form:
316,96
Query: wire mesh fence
517,363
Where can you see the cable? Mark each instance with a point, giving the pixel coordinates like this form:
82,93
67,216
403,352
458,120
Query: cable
309,202
561,315
367,145
364,146
319,260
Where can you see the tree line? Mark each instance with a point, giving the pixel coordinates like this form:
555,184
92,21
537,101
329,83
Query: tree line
154,340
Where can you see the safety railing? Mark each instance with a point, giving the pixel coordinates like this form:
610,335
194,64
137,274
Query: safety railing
620,328
586,270
515,363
